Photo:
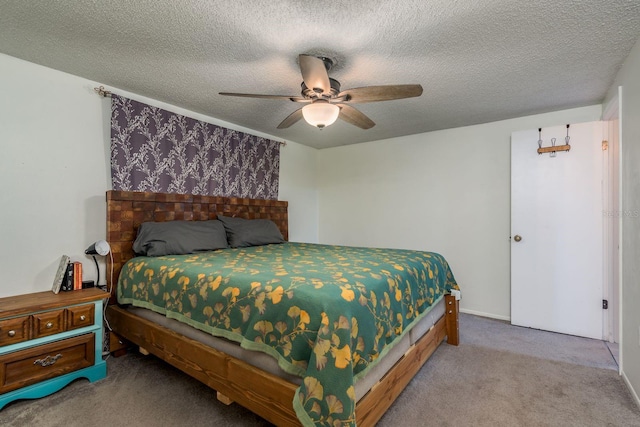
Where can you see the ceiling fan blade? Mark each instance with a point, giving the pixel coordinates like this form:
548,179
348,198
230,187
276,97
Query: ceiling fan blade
380,93
314,73
291,119
355,117
252,95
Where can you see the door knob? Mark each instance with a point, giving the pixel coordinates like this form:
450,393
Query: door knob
517,238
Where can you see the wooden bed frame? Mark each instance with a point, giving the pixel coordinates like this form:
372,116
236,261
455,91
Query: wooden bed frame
235,380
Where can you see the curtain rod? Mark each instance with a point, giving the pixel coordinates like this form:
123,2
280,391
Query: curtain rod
107,94
102,91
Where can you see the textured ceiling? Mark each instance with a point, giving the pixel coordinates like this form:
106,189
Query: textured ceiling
478,61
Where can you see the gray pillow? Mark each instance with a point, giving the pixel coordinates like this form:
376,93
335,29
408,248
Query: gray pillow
179,237
250,232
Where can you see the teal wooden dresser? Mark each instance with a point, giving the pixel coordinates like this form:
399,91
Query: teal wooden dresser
48,340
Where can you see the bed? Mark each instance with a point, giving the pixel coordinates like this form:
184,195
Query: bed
288,390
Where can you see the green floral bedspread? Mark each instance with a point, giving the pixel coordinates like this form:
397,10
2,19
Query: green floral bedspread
326,313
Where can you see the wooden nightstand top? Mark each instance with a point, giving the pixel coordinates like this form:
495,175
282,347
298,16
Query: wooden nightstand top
29,303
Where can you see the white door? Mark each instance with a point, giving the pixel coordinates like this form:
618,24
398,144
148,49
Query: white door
557,211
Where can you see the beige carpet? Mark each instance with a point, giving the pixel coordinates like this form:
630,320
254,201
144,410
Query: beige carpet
500,375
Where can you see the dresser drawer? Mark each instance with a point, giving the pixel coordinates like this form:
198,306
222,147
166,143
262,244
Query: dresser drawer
29,366
14,330
80,316
48,323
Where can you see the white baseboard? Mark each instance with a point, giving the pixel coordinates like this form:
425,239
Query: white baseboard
481,314
630,387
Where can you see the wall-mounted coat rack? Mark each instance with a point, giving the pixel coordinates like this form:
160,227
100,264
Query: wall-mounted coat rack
553,149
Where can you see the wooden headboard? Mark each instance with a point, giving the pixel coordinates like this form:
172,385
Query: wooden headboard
126,210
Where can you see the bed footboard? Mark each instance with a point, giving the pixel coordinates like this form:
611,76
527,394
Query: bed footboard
260,392
263,393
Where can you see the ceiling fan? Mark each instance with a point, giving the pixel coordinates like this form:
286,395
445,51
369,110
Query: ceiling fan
326,103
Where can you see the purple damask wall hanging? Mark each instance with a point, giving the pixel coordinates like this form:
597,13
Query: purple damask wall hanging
156,150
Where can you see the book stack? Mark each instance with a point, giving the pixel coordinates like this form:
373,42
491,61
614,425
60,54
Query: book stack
68,276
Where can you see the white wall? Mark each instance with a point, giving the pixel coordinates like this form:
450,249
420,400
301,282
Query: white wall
446,191
630,180
298,186
54,172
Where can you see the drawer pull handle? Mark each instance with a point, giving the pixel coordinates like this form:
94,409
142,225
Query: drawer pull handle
49,325
12,333
47,361
83,318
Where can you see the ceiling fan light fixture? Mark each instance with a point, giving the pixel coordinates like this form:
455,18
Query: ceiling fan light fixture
326,101
320,113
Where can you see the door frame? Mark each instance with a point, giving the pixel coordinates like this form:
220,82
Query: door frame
612,132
